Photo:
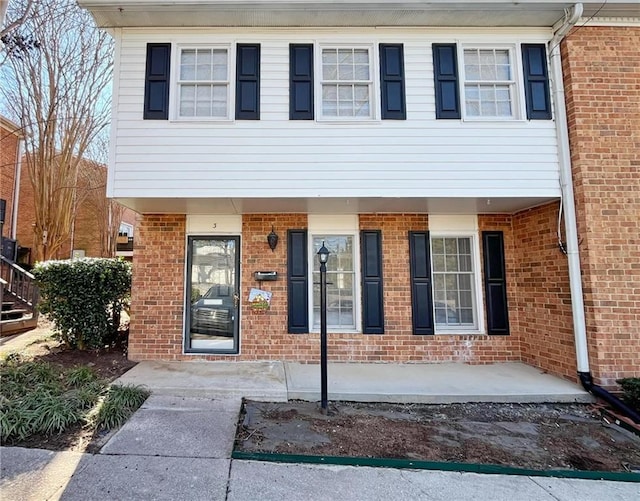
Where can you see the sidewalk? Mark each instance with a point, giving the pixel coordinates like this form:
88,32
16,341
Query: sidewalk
179,448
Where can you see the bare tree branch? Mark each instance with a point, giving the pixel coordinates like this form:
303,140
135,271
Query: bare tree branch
16,22
59,94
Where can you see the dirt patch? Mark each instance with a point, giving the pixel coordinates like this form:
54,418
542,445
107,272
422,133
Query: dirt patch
537,436
108,363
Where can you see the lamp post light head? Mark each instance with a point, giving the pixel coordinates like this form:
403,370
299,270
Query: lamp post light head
323,254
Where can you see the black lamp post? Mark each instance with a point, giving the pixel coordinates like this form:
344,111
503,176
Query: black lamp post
323,257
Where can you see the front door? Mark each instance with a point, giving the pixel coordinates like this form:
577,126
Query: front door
213,295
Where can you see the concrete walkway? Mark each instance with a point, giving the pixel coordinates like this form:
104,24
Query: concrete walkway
420,383
178,445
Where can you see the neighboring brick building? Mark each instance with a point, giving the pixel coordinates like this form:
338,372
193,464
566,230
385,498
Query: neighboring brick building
431,161
88,224
10,154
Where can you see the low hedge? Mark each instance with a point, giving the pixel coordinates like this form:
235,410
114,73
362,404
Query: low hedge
84,298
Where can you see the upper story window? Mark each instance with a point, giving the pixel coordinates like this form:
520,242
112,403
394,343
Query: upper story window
489,83
203,82
346,82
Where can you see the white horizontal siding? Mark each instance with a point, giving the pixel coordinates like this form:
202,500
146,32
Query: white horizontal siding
275,157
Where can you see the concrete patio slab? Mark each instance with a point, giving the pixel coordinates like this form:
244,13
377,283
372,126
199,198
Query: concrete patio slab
178,427
255,380
431,383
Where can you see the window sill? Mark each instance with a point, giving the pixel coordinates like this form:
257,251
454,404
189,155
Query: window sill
348,121
461,333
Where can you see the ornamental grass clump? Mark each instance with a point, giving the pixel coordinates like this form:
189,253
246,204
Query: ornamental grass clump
37,398
84,298
119,403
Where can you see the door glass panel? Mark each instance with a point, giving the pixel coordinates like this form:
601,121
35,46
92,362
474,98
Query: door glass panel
213,294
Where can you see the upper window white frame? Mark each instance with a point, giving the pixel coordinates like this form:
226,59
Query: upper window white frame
203,88
314,268
491,86
478,326
346,81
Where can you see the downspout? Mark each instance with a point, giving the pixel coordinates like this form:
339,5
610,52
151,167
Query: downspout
16,189
569,208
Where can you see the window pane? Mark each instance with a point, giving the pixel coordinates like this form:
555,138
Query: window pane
472,72
203,68
203,101
220,65
451,245
451,263
345,72
362,72
187,100
437,245
188,64
345,92
219,107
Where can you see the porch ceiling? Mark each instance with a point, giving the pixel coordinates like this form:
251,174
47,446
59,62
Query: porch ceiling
339,13
495,205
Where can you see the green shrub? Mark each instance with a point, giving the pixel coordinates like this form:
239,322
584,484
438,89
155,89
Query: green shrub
631,390
84,298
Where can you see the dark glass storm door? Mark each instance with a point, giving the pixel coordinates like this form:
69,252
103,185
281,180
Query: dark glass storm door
213,294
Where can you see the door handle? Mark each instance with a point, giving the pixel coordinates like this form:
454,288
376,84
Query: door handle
236,300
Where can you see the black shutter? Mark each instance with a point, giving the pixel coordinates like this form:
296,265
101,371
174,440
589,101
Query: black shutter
445,70
248,82
421,290
495,282
372,297
392,82
301,82
156,84
536,81
297,282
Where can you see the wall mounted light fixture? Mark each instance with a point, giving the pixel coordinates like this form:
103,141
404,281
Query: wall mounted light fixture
272,239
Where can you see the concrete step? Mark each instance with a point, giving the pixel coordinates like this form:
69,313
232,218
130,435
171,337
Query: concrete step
7,305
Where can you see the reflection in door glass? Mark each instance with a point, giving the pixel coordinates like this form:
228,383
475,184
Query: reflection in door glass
213,291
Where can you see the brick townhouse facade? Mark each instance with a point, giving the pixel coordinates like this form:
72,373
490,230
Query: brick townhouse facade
519,254
602,101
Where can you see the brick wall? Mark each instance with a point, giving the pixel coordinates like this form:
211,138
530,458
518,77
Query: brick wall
543,301
157,298
602,80
157,289
8,155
